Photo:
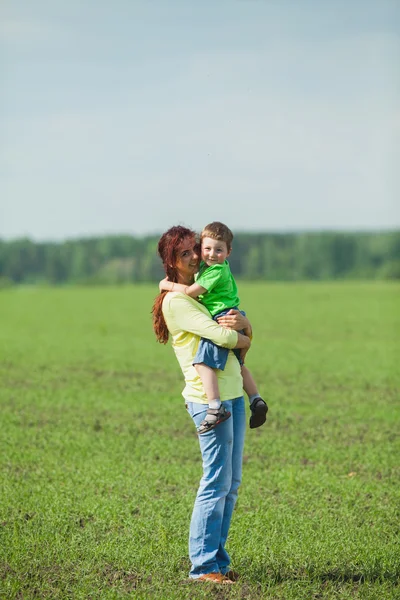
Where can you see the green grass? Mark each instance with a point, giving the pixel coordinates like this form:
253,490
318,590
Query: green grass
100,462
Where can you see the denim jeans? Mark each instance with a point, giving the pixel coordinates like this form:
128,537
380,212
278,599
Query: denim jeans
212,355
222,455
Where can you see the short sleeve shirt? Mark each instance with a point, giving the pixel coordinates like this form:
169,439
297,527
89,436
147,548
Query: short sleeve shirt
220,285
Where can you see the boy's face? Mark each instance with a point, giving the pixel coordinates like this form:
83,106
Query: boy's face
214,251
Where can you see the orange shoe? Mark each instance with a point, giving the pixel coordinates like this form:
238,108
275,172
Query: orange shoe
214,578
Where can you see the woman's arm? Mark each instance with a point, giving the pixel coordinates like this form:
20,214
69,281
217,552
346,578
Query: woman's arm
185,314
243,341
235,320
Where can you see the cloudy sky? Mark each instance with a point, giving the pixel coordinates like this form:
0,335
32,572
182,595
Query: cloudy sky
133,115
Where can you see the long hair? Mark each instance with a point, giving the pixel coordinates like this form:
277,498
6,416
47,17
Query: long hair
167,249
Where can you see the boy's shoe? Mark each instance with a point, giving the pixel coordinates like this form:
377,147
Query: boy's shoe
214,417
259,411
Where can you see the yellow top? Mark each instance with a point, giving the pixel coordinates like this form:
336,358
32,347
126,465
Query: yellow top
187,321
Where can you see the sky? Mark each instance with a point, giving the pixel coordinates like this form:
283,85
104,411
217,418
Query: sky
134,115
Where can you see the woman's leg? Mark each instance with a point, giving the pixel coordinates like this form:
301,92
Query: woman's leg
238,419
222,450
209,507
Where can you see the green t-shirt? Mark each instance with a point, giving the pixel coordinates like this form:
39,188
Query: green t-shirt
221,286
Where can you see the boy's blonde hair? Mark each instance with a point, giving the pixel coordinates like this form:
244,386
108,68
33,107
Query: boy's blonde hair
218,231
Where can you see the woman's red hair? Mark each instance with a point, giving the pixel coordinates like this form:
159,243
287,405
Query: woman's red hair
168,247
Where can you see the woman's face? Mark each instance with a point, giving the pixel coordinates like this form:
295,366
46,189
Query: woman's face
187,260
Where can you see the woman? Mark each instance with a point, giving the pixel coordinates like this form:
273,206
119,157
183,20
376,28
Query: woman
186,320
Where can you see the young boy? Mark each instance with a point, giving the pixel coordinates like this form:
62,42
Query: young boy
215,287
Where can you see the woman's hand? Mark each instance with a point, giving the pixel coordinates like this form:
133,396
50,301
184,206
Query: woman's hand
235,320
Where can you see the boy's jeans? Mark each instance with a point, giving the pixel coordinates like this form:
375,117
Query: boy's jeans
212,355
222,454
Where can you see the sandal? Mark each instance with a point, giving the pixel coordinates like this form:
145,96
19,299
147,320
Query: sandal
214,417
259,411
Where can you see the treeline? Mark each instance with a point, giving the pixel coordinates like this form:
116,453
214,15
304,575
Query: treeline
266,256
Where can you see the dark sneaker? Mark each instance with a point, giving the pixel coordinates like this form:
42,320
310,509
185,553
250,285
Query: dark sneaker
259,411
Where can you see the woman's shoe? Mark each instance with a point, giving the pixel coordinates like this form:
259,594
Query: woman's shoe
214,578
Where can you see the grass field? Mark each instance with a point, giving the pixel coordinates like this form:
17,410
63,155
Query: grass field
100,462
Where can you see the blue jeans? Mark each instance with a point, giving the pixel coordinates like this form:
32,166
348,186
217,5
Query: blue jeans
222,455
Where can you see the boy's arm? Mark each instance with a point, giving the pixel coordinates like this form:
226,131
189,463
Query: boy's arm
193,290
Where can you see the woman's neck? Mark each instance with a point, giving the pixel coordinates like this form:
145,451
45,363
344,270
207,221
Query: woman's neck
185,280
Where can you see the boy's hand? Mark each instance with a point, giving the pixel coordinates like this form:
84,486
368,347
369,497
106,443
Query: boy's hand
164,284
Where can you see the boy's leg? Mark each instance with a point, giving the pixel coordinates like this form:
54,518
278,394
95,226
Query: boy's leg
249,385
216,412
258,406
209,380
